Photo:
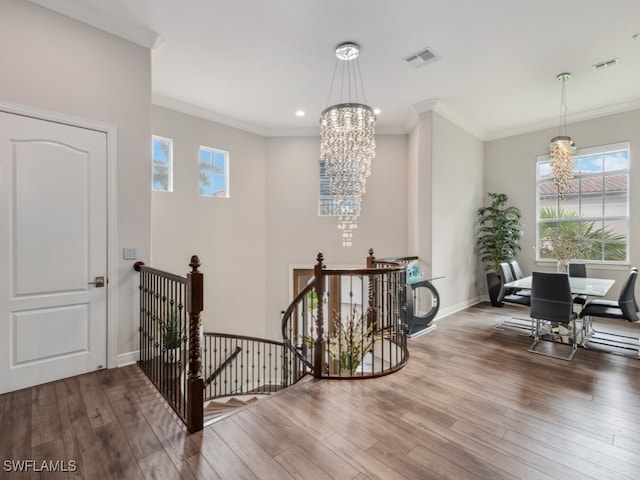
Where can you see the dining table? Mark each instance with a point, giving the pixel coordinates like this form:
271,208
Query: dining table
592,287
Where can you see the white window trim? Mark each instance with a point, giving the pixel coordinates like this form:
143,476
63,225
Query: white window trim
169,166
585,152
227,191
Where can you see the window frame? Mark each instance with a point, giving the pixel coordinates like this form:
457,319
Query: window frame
581,153
225,175
168,166
327,204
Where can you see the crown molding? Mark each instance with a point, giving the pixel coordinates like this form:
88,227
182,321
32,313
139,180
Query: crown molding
205,114
435,105
104,21
573,118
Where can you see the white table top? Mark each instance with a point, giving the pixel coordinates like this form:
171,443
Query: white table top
595,287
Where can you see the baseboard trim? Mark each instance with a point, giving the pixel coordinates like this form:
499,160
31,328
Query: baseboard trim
130,358
445,312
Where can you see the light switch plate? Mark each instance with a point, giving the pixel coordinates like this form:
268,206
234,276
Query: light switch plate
129,253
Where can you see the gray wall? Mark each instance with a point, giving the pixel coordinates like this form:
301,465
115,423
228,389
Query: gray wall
510,168
458,180
295,232
249,243
58,64
228,234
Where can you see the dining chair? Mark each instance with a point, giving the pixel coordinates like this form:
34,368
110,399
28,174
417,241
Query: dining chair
510,295
551,301
517,275
578,270
625,308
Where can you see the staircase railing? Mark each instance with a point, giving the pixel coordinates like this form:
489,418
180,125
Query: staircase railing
170,308
241,365
349,323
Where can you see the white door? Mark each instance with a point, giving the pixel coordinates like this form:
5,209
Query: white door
53,244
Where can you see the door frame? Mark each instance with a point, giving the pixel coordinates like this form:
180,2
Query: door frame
111,132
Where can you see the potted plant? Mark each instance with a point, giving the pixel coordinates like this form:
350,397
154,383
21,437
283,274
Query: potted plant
172,337
349,342
498,239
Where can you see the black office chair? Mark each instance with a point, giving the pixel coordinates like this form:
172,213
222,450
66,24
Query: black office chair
510,295
578,270
551,301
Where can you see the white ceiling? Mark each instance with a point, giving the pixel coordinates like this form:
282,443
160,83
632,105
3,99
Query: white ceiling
253,63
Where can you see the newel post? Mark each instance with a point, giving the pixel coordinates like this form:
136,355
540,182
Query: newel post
195,383
318,349
370,259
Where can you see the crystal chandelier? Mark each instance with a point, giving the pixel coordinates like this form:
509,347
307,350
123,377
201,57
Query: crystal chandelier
347,143
561,149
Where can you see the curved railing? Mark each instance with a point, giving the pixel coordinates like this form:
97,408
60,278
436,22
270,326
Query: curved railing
349,323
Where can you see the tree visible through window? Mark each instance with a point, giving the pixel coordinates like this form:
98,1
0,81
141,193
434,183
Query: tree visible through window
595,211
214,172
162,164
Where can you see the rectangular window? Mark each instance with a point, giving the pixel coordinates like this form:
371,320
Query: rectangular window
162,164
328,205
592,221
214,172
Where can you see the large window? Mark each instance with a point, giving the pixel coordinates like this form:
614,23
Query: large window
327,204
162,164
214,172
595,210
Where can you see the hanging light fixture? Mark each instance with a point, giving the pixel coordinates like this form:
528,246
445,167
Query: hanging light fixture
562,148
347,143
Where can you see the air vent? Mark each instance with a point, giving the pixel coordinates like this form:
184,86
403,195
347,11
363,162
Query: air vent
421,58
606,64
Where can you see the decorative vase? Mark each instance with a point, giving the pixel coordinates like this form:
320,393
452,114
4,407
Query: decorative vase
172,355
493,286
563,266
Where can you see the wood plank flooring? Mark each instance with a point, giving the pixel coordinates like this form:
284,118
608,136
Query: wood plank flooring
471,404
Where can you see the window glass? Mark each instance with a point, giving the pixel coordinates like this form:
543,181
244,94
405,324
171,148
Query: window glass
214,172
162,164
594,212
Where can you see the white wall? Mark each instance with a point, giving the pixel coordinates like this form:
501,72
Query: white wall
58,64
510,168
228,234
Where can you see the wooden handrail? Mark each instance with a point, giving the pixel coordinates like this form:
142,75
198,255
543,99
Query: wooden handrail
163,296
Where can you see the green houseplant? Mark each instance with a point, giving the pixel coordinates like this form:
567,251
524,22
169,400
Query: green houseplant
172,336
498,239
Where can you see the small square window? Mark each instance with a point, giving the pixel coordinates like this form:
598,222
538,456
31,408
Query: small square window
214,172
162,164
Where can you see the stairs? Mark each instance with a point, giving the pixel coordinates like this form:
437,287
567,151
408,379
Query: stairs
220,408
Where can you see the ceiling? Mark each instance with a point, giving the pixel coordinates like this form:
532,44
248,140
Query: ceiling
254,63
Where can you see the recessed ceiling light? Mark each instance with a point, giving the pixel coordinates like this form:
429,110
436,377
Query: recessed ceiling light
377,111
300,113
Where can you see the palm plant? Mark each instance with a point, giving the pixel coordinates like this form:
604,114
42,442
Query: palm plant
593,242
499,232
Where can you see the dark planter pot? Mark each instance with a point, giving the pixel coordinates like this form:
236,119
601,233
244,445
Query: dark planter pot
493,285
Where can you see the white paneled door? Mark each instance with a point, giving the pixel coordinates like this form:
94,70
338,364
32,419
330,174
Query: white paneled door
53,251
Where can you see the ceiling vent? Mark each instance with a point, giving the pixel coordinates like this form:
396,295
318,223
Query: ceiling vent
606,64
422,58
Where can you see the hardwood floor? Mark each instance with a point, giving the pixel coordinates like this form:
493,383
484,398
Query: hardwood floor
471,404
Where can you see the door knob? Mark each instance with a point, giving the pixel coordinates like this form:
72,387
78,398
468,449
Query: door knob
99,282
